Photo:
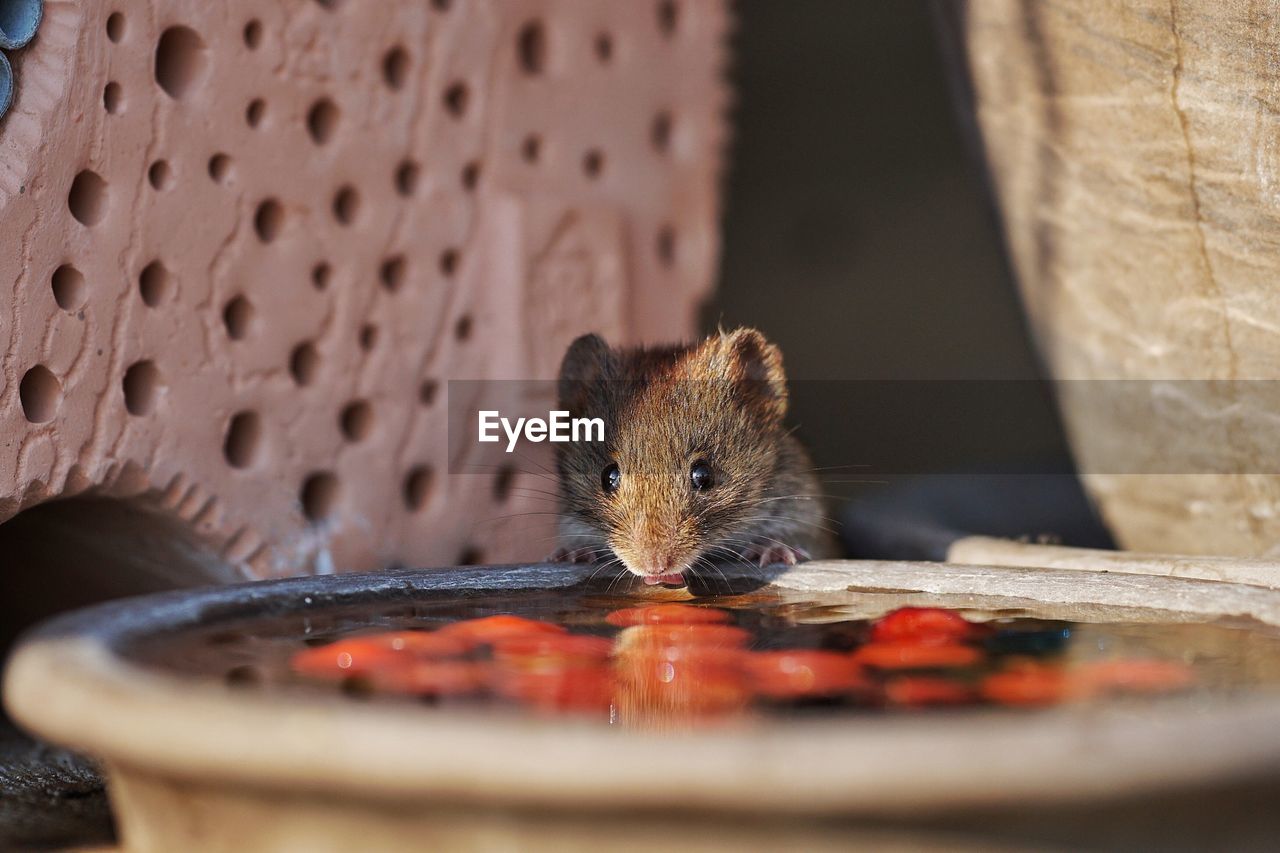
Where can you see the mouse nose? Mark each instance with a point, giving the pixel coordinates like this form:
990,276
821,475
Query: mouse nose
658,560
662,569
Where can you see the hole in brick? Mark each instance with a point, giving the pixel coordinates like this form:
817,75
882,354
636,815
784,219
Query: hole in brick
449,261
666,245
40,393
219,167
268,219
392,273
254,113
69,289
244,438
427,391
356,420
503,482
417,487
115,26
319,496
88,198
668,17
153,284
112,96
593,163
531,47
159,174
604,47
322,120
531,148
462,328
141,384
320,274
368,337
660,132
395,67
237,315
346,204
441,5
407,178
471,175
455,99
329,5
304,361
470,556
181,61
253,34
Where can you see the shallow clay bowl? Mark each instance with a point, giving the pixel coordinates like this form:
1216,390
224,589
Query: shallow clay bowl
195,763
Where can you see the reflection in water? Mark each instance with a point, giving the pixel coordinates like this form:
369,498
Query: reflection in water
740,659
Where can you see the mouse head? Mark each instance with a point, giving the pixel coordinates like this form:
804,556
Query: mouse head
691,444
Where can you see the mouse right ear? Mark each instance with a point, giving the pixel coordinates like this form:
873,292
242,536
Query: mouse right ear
588,362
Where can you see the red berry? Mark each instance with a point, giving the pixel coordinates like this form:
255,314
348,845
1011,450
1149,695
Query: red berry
667,614
923,623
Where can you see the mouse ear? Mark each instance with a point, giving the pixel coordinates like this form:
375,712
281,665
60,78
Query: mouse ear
756,365
588,362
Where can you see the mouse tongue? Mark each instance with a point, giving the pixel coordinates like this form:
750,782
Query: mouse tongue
654,580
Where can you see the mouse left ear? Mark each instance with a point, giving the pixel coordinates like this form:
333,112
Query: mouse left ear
587,363
756,365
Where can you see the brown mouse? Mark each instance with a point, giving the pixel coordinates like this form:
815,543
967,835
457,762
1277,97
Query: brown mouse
696,464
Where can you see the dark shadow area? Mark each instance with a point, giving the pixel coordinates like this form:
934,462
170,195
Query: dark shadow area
919,519
59,556
860,235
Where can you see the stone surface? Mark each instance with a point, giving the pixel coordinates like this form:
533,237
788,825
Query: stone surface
248,243
1134,153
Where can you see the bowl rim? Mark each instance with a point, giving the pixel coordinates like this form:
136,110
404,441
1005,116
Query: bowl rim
67,683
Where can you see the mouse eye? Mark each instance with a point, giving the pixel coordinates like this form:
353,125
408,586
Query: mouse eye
700,476
611,478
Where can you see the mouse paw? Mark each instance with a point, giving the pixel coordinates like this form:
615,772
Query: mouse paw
574,555
767,554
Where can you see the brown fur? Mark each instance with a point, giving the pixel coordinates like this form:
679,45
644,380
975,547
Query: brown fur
722,401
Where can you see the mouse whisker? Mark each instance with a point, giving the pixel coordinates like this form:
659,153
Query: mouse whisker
622,572
736,557
727,586
602,566
794,520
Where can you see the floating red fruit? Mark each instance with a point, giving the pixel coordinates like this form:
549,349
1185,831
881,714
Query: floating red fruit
423,643
554,650
923,623
582,689
797,673
920,691
667,614
1141,675
914,655
486,629
699,636
370,652
428,678
686,682
1031,684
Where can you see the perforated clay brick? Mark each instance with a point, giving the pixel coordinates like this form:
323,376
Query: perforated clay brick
247,244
